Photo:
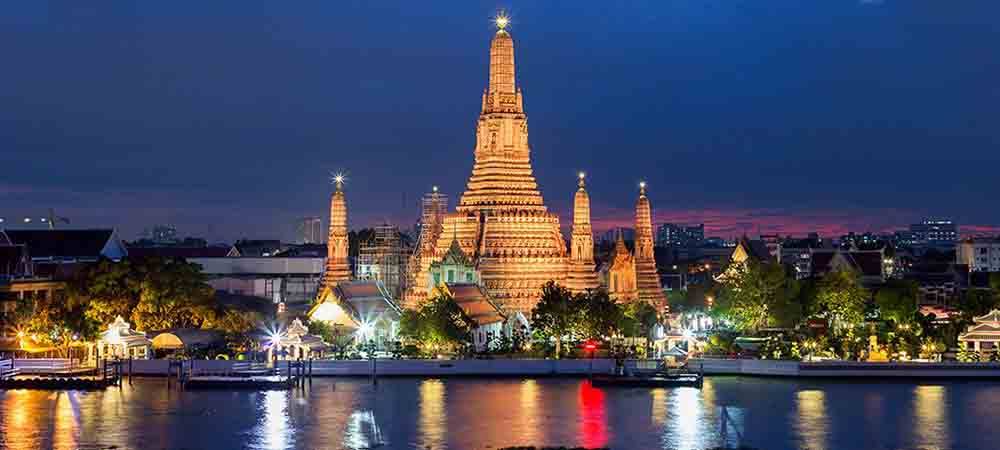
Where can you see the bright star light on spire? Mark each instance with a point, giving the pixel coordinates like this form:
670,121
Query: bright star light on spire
338,178
501,20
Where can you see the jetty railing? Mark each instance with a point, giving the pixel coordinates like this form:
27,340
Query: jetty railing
7,369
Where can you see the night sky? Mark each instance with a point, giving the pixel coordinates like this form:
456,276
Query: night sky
225,118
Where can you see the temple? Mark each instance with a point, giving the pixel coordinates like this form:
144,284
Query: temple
338,268
501,222
632,276
580,275
647,279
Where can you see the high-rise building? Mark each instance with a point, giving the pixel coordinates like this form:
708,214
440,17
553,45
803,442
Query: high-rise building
675,235
980,255
935,232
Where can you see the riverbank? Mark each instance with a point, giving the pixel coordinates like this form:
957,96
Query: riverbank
844,369
579,368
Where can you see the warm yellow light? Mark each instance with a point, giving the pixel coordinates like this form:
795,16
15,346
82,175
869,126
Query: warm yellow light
501,21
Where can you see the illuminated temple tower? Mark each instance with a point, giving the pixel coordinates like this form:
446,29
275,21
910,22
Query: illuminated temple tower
337,266
646,276
580,275
501,221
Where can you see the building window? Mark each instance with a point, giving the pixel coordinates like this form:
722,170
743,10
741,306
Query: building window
468,277
437,279
451,276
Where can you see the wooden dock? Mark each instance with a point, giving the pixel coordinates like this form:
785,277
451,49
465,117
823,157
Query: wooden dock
60,376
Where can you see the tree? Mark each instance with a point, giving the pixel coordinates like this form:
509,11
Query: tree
174,294
555,315
841,298
111,288
56,321
755,295
438,323
897,301
599,315
236,325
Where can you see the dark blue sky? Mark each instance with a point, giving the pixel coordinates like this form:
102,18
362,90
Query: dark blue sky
225,117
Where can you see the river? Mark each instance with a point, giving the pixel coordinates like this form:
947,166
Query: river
472,413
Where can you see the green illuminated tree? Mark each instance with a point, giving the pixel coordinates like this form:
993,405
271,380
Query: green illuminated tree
841,298
897,301
556,315
756,295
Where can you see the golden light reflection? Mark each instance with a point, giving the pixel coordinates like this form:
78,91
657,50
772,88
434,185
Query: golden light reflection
529,412
67,421
16,420
659,409
273,430
812,424
433,418
931,420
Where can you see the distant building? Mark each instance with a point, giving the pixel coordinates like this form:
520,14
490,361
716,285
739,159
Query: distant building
980,255
674,235
935,232
256,247
384,259
904,238
610,236
292,281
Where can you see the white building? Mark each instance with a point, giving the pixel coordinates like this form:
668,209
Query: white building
981,255
291,280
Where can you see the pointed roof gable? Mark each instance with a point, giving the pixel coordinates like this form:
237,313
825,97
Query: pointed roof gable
455,256
363,301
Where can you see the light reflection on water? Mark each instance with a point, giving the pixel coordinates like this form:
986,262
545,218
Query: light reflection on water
433,417
931,422
812,423
478,414
273,432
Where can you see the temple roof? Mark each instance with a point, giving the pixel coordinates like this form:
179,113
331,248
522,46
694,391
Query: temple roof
475,302
992,317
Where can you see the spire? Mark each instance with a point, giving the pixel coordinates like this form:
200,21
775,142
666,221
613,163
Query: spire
620,242
337,267
502,58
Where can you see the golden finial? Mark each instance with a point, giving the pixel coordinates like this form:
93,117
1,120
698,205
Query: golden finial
582,176
642,188
502,20
434,189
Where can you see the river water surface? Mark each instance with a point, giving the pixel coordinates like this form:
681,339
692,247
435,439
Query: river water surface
404,413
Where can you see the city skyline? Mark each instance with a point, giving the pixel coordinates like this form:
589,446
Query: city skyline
787,134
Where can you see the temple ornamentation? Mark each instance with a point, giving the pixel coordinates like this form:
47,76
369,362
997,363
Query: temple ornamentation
646,277
501,222
501,226
619,276
338,268
580,275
